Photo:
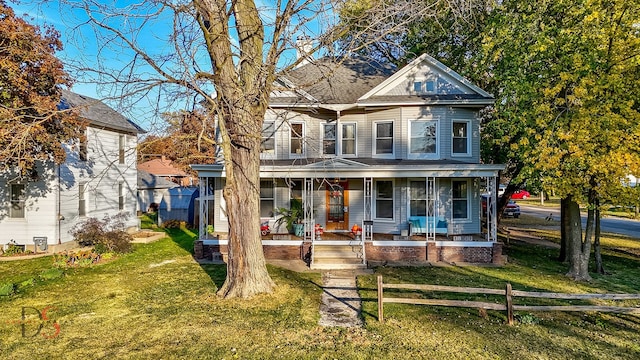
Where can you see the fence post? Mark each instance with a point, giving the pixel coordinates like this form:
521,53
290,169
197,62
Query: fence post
380,300
509,304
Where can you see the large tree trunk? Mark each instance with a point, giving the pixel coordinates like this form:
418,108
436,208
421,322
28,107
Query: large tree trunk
597,251
578,251
564,225
246,267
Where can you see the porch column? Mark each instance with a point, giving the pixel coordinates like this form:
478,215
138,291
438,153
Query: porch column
203,208
307,205
367,224
492,218
430,182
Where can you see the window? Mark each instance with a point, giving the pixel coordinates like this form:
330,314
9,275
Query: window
121,149
82,206
348,139
268,143
461,140
419,205
424,86
384,199
460,198
423,138
82,147
16,207
266,198
383,138
121,196
329,139
297,137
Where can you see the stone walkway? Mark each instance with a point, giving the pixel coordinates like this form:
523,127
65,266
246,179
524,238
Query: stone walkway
341,303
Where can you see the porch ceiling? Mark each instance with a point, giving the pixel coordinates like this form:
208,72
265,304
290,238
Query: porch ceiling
361,168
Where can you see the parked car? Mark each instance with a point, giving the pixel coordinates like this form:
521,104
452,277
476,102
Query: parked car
512,209
521,194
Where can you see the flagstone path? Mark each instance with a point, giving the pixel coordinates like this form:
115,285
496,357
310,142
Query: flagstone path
341,303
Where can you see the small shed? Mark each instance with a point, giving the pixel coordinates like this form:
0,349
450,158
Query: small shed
178,204
151,189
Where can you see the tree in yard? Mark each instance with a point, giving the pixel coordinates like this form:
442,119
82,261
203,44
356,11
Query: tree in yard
225,55
32,130
188,139
568,107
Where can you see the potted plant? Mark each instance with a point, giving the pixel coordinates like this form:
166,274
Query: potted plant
292,217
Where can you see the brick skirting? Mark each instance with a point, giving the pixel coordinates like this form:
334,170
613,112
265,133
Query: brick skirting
419,253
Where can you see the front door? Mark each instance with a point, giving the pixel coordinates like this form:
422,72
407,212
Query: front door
337,206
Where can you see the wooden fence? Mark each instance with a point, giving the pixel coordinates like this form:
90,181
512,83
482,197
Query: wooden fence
508,294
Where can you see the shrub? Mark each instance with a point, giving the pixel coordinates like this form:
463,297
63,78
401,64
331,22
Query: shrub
51,274
82,258
106,235
7,289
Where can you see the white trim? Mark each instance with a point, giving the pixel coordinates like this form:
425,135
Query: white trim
375,200
468,219
415,63
435,155
274,154
374,134
303,144
407,243
355,138
282,242
336,151
469,137
464,243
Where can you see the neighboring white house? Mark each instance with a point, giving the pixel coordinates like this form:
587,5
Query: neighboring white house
394,151
97,179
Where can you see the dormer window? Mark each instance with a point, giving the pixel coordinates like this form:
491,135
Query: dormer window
424,86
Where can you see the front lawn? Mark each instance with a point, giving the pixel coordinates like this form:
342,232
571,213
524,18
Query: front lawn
158,303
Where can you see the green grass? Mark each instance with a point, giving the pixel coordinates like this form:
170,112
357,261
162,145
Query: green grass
157,302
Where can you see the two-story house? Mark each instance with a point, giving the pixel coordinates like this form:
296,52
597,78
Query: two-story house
97,179
396,153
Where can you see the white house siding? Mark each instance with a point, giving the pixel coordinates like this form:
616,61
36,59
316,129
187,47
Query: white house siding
40,210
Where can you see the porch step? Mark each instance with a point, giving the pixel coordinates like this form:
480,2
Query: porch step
333,256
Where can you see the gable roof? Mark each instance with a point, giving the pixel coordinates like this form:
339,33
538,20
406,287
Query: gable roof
150,181
356,82
342,81
161,167
98,113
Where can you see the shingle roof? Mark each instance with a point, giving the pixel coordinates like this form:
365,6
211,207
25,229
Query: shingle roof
150,181
161,167
97,112
343,81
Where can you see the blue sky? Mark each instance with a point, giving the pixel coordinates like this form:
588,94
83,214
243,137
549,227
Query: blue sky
80,45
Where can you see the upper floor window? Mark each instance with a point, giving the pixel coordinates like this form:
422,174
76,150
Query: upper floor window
296,137
423,138
267,203
384,199
268,143
329,139
424,86
82,202
120,196
460,199
121,142
82,147
345,132
461,142
16,196
383,134
349,139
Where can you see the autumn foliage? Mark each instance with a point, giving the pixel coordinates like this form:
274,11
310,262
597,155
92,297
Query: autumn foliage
31,129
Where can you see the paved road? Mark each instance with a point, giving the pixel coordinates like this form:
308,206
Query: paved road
609,224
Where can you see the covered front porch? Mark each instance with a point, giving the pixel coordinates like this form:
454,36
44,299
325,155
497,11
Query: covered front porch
397,213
